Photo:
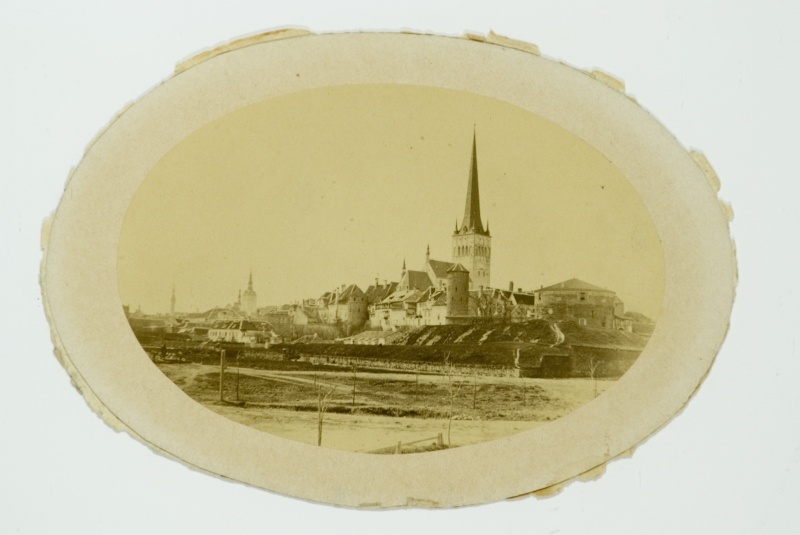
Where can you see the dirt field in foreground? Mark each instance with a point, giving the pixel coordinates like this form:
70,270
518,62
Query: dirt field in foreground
389,408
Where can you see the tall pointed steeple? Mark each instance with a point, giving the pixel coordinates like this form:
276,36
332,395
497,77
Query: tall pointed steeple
172,301
472,208
249,299
472,243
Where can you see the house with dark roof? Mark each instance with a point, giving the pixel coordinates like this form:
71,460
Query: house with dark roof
346,305
378,292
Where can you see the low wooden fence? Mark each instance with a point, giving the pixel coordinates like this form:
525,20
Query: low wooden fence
436,441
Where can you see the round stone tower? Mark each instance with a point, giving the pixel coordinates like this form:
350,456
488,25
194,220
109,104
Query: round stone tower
457,291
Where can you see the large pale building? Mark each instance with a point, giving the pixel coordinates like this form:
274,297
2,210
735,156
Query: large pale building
579,301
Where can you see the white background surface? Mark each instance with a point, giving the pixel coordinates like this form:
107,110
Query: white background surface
722,76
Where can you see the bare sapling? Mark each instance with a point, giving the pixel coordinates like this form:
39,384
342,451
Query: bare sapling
322,406
355,375
453,388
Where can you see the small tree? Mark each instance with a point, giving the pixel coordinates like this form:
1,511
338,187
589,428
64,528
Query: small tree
452,391
475,388
322,406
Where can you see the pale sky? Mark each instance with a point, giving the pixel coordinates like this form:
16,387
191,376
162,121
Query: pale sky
338,185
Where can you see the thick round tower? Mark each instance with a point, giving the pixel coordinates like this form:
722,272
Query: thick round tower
457,291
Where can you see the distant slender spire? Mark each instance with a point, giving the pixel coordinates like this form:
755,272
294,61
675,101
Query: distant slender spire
250,282
428,253
404,266
172,300
472,208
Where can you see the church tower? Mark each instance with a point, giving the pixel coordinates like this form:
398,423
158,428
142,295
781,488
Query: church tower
249,298
472,245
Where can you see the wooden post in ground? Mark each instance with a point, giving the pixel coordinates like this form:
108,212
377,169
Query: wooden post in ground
355,371
524,392
221,373
237,377
320,410
440,440
399,448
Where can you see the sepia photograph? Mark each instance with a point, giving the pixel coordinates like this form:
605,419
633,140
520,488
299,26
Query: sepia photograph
389,268
396,268
310,266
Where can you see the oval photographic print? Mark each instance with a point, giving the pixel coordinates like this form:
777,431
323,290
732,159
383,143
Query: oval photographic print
389,269
385,270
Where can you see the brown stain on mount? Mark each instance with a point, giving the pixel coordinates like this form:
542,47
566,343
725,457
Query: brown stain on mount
236,44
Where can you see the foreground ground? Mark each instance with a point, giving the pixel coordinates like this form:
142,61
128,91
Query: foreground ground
387,408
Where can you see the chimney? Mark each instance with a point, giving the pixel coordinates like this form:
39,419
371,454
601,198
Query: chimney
377,282
519,290
511,286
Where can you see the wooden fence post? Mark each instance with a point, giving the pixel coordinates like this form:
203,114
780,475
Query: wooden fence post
221,373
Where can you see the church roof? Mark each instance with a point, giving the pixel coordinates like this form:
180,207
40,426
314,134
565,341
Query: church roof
472,208
417,280
573,285
439,268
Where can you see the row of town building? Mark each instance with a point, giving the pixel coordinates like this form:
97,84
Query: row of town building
440,293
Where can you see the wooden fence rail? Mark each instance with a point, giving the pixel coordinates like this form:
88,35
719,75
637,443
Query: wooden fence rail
398,448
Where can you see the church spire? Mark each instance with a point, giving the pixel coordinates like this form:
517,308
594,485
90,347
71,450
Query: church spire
250,281
472,208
